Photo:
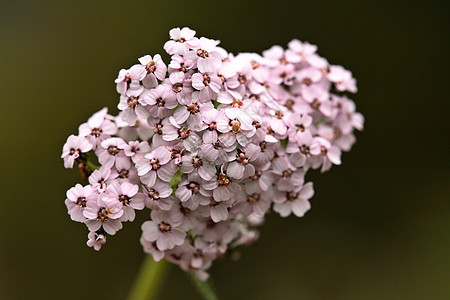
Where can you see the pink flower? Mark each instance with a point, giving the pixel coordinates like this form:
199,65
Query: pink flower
132,108
103,213
156,69
209,119
98,128
77,199
342,78
214,152
274,56
72,149
152,249
294,201
158,196
328,154
228,74
236,125
99,179
207,55
178,87
266,146
181,41
194,189
181,214
308,76
207,84
188,114
225,188
130,80
254,200
305,52
278,123
163,231
110,153
193,163
319,99
125,175
217,210
180,64
264,178
347,118
127,194
190,139
142,129
289,176
156,164
298,124
203,255
308,145
96,239
136,150
160,101
241,165
181,255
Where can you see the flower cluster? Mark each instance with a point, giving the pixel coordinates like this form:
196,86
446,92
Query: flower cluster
209,144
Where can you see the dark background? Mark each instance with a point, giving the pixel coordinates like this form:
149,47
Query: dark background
379,224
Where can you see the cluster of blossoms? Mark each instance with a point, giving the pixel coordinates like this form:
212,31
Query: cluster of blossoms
209,144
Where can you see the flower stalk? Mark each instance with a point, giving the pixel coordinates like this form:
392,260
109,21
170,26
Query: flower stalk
150,279
203,287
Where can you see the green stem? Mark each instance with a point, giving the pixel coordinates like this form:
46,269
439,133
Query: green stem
203,287
90,165
149,280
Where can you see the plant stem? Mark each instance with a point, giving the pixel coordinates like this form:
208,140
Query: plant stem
203,287
90,165
149,280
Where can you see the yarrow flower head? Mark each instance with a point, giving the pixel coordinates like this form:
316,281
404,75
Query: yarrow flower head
207,144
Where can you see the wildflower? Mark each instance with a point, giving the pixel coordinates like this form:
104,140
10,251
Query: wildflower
209,144
72,149
132,108
158,196
206,54
110,153
295,201
204,168
127,194
194,189
156,164
129,80
242,164
206,84
96,239
99,179
181,40
156,69
103,213
226,187
160,102
178,87
77,199
162,231
98,128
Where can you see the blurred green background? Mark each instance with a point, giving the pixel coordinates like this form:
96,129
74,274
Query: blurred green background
379,224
